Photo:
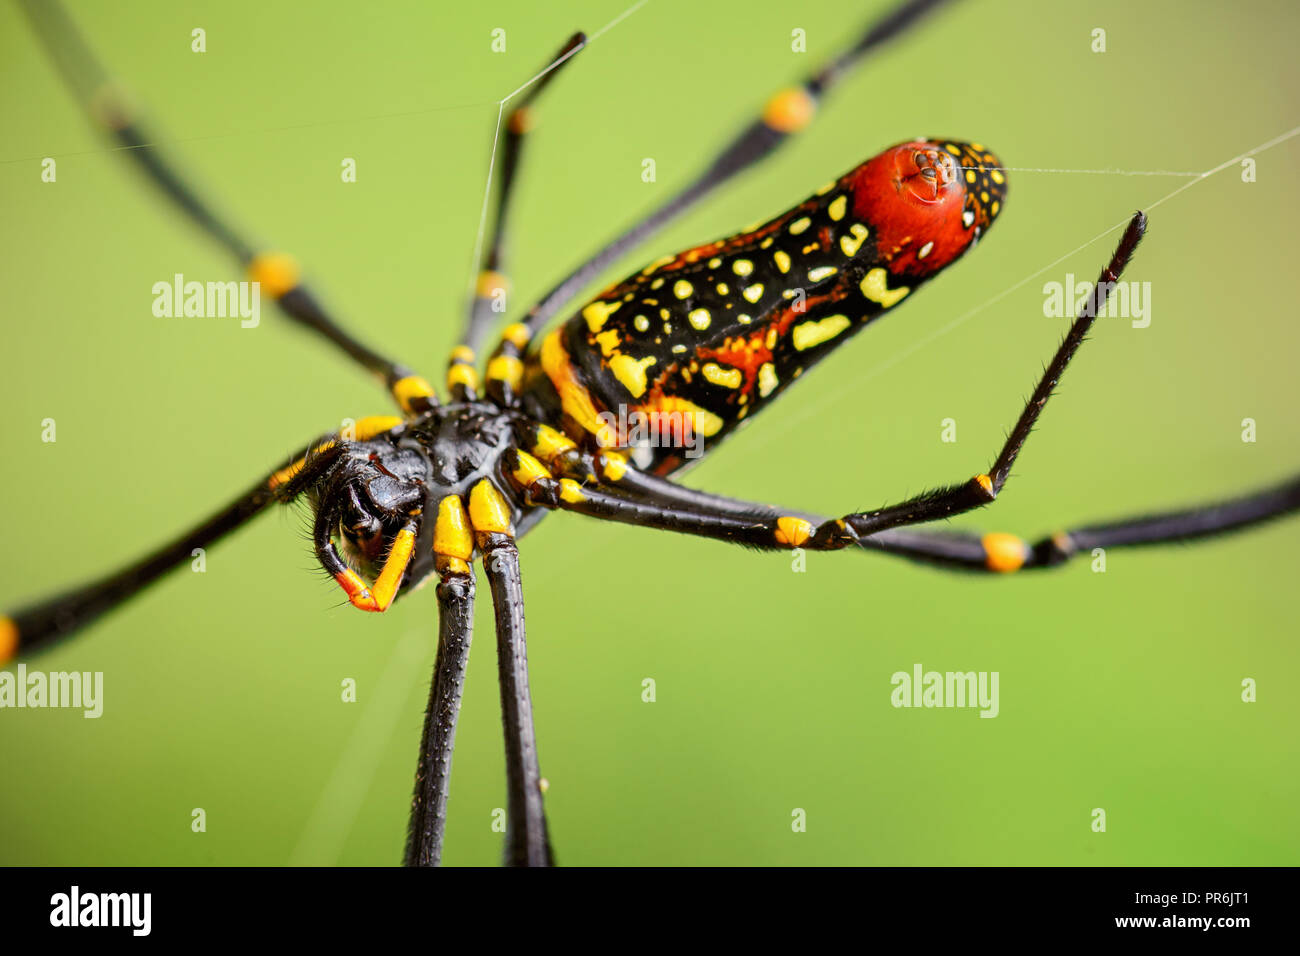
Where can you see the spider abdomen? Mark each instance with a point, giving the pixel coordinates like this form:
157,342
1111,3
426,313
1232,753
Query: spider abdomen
695,343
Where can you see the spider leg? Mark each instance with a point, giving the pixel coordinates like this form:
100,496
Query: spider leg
656,502
277,273
433,771
36,626
785,114
490,289
527,841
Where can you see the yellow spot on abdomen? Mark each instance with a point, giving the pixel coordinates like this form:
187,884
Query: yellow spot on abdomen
767,379
815,333
849,245
631,372
608,341
598,312
725,378
699,318
838,208
875,288
703,421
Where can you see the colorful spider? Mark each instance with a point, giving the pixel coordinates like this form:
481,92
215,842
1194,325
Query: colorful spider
690,347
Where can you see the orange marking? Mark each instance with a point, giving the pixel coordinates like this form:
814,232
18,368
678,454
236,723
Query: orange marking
985,482
574,397
521,121
1004,552
277,272
792,532
355,589
8,639
790,110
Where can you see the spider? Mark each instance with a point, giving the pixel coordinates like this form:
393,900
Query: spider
691,347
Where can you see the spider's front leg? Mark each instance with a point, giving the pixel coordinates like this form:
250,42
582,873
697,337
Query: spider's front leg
453,547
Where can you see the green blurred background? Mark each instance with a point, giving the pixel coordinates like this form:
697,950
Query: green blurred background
1118,690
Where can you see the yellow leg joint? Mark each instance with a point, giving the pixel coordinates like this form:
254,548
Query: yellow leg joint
372,425
792,532
8,639
489,512
985,482
529,471
508,369
451,533
490,283
551,442
409,391
517,334
1004,552
790,110
613,465
288,472
277,272
465,375
571,491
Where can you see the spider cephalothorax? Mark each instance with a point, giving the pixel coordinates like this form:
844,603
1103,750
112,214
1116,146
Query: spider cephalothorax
388,494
